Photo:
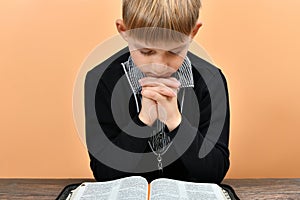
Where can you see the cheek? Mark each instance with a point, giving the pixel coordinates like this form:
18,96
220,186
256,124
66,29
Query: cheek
138,59
176,62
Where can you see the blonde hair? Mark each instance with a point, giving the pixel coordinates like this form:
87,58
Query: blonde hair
176,15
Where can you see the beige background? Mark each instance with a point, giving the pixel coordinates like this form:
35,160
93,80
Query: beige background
43,44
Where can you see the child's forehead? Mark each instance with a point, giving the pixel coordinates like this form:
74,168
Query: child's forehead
157,38
166,45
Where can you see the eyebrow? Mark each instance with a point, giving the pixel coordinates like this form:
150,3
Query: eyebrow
146,49
177,48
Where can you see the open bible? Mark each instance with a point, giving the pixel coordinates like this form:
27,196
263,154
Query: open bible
137,188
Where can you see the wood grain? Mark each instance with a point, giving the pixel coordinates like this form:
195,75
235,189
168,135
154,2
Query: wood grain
41,189
253,189
262,189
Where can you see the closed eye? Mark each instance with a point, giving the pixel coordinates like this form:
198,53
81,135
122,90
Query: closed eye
172,52
147,52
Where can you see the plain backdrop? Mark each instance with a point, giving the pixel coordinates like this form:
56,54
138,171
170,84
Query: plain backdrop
43,44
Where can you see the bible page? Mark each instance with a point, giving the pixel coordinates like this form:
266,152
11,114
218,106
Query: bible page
133,188
168,189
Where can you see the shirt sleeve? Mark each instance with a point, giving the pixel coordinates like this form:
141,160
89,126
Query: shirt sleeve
214,165
116,136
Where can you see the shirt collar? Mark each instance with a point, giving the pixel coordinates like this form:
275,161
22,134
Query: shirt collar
184,74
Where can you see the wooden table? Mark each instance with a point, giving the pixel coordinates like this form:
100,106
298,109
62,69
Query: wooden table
261,189
41,189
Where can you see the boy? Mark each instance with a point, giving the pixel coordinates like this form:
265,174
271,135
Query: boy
155,101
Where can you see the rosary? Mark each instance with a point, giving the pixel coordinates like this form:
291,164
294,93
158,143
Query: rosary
159,144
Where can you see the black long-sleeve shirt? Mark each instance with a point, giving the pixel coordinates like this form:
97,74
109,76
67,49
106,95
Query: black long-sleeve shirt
211,167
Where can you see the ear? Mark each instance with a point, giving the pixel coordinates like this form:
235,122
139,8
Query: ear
121,28
196,29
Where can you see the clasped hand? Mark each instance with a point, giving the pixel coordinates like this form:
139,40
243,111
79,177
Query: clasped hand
159,101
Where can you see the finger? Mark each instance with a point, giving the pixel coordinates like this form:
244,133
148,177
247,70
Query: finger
150,81
170,82
154,95
163,90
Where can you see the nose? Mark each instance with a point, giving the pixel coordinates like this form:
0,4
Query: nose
161,59
160,68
